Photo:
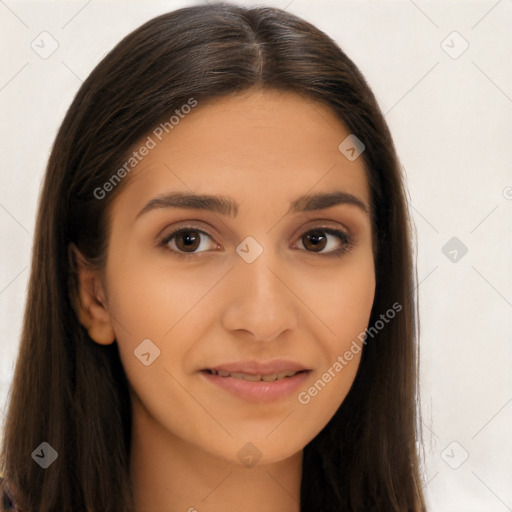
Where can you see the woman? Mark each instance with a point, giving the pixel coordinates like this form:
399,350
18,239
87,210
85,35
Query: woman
221,309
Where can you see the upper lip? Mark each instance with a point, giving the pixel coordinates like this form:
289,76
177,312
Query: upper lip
254,367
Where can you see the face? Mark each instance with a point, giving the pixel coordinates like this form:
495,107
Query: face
209,305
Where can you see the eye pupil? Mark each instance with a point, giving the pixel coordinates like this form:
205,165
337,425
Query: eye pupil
317,237
190,238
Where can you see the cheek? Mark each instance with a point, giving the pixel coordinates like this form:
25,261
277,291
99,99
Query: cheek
148,300
344,302
151,301
345,308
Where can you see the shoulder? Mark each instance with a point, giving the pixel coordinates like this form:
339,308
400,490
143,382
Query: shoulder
7,503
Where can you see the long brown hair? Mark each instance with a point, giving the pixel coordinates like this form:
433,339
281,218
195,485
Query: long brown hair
73,393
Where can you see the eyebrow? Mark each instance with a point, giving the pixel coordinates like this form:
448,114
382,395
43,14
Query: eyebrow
226,205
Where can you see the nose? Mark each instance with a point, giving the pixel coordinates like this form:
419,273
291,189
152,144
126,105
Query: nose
260,301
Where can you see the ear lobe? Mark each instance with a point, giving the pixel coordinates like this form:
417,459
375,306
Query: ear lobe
89,299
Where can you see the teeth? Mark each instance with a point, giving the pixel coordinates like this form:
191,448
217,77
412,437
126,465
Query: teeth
289,373
254,378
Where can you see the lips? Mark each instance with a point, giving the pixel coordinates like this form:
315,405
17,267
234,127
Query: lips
255,377
258,381
279,368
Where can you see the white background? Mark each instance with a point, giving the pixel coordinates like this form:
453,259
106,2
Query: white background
451,119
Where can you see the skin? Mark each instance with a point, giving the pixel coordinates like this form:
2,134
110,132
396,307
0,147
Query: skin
264,149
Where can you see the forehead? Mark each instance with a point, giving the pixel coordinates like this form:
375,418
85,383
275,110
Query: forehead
264,147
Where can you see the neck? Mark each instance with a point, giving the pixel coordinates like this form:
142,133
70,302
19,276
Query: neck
169,474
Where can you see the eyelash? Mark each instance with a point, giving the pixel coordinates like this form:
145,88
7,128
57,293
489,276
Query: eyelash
347,242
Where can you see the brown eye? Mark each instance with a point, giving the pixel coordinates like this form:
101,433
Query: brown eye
315,240
186,241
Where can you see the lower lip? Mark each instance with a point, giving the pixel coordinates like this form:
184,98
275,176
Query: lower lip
259,391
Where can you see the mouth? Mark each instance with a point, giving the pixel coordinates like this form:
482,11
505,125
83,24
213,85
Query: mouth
259,382
255,377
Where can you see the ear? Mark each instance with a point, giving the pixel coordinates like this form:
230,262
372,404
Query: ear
90,300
